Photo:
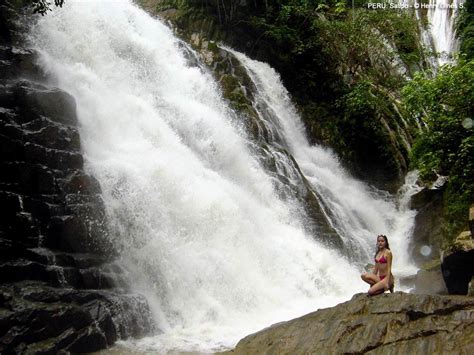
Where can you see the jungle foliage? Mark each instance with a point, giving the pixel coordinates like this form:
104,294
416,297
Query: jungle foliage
39,6
465,28
443,104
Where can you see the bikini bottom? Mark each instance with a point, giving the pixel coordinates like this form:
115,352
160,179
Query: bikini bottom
382,277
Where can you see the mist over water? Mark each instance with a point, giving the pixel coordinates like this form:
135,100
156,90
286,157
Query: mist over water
199,222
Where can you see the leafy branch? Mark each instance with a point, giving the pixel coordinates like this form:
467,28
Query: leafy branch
43,6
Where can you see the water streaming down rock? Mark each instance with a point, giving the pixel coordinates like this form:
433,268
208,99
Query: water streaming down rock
442,16
200,224
437,26
356,211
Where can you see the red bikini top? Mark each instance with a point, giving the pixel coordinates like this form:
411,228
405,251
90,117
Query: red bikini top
382,260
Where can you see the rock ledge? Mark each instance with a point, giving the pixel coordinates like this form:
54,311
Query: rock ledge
398,323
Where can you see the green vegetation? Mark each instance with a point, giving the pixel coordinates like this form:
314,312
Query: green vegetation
446,147
40,6
443,105
465,28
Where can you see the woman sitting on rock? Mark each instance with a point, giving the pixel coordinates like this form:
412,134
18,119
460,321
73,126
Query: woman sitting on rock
381,278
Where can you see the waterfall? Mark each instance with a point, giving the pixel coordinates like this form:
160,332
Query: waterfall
441,16
356,211
438,33
198,222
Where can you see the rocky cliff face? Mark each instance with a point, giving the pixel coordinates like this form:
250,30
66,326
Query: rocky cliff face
59,286
387,324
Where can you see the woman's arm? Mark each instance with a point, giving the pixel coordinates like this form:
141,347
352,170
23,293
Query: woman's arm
389,266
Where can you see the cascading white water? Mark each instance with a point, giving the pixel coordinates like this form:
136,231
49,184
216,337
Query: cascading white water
441,16
201,228
438,34
358,213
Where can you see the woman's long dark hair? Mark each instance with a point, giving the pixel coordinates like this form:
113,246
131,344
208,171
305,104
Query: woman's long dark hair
387,246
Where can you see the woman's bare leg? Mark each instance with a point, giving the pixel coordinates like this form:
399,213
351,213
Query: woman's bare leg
371,279
379,287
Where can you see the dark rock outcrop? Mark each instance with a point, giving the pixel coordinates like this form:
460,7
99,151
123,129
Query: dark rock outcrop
396,323
37,318
428,221
458,264
59,287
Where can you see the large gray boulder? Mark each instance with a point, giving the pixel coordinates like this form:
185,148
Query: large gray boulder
398,323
